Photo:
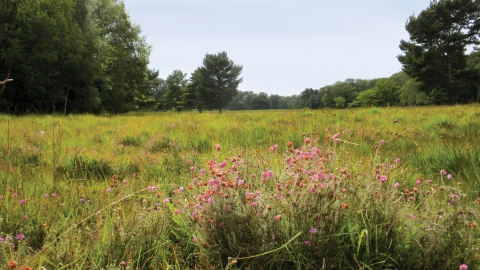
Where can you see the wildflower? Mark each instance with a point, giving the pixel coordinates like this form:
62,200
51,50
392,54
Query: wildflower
278,217
229,208
289,144
53,195
123,264
313,230
166,200
222,165
418,182
151,188
307,243
12,264
382,142
307,140
397,160
180,189
443,172
1,240
192,169
46,195
463,267
241,182
428,181
383,179
449,177
202,171
25,216
274,147
194,239
20,237
15,195
21,201
109,190
82,200
177,212
254,204
336,136
396,185
217,146
252,176
26,268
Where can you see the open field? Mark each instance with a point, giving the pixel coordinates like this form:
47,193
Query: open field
376,188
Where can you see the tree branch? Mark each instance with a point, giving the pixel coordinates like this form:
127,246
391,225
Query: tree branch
3,83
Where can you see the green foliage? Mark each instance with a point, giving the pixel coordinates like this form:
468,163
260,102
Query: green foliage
176,84
435,54
217,80
384,93
73,56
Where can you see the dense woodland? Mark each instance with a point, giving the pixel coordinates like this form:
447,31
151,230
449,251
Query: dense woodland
76,56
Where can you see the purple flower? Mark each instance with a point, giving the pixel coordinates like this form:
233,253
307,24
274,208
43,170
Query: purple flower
383,179
313,230
443,172
307,243
20,237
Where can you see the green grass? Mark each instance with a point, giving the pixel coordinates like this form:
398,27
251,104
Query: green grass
157,192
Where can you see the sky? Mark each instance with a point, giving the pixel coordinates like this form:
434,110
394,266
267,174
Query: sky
284,46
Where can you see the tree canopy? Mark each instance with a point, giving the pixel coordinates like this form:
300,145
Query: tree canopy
436,54
73,56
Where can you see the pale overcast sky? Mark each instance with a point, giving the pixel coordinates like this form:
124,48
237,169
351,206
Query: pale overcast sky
284,46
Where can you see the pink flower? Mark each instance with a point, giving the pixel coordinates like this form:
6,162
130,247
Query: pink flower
223,164
307,140
177,212
313,230
382,142
443,172
336,136
463,267
449,177
383,179
20,237
397,160
396,185
229,208
109,190
21,202
254,204
274,147
217,146
278,217
307,243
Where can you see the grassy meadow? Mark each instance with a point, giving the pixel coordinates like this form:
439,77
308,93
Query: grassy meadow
370,188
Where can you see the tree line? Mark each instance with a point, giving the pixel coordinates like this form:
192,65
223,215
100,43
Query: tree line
74,56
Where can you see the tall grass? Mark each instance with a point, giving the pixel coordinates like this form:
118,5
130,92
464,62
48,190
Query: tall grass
307,189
